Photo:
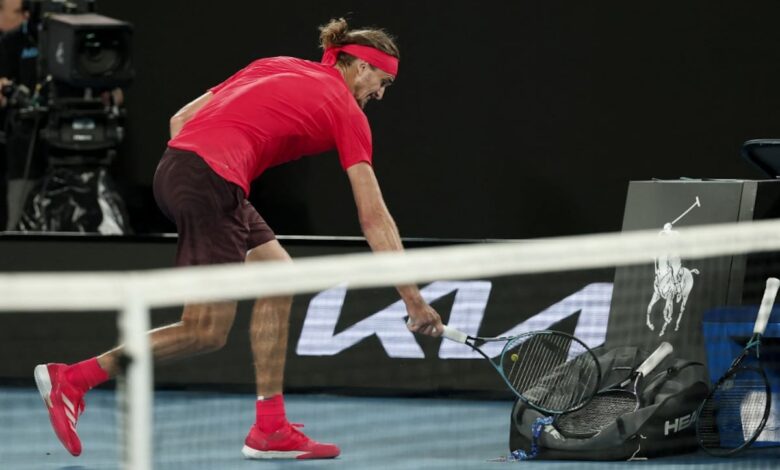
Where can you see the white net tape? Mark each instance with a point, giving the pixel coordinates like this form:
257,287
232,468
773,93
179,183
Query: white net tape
167,287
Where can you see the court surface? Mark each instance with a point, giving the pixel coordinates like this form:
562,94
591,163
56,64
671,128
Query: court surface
204,430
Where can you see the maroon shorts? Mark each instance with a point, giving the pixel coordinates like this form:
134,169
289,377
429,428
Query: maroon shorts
215,222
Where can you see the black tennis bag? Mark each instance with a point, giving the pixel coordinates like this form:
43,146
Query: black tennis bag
664,425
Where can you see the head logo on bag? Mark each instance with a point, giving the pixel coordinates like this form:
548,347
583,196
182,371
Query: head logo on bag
678,424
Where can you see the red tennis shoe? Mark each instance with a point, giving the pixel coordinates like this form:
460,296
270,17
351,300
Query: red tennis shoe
287,442
64,402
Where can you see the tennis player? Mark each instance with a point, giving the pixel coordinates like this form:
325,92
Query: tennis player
273,111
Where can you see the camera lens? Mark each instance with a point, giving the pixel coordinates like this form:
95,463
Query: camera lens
100,54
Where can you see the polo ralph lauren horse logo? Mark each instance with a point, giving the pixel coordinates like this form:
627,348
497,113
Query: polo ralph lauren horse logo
673,282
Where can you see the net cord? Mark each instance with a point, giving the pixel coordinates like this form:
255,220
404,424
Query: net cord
168,287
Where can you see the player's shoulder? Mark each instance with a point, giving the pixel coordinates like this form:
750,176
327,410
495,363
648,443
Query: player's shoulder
280,61
322,75
325,78
289,64
310,77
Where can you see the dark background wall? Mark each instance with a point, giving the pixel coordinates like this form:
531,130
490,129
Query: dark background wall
508,120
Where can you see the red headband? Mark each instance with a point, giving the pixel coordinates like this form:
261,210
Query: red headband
371,55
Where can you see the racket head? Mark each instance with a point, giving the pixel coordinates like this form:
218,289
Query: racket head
600,412
735,412
609,404
552,371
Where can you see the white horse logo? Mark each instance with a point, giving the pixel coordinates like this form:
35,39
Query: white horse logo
672,282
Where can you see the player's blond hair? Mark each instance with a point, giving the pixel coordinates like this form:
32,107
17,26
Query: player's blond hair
337,33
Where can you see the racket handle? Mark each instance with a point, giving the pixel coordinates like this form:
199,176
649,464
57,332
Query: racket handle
454,335
766,305
658,355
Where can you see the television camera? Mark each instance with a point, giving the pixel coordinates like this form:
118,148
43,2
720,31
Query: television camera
81,57
69,113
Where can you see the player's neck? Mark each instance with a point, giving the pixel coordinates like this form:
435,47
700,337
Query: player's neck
348,73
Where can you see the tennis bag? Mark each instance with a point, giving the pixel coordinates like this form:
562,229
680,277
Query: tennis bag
663,425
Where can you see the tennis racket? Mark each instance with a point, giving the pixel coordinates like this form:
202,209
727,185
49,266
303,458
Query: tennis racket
553,372
736,410
611,403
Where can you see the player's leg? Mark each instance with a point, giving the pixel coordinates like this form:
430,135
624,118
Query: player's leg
269,328
272,436
203,328
204,208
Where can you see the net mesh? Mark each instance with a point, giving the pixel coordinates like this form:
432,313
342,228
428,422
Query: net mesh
354,374
735,413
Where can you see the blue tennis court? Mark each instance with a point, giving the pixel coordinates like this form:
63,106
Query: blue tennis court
204,430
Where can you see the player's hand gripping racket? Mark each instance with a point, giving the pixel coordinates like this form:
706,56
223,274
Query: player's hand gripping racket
611,403
736,410
552,371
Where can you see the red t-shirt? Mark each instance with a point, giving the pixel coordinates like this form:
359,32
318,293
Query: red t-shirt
274,111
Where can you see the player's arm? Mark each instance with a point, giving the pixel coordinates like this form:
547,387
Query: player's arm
382,235
187,112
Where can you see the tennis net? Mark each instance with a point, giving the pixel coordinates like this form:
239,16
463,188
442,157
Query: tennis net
623,288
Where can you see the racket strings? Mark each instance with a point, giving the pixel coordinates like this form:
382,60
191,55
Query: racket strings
551,371
533,359
599,413
735,413
536,356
